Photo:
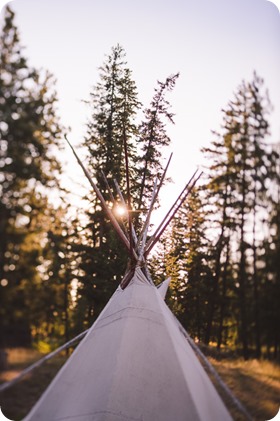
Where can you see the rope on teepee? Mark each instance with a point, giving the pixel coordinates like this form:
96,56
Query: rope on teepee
217,377
40,362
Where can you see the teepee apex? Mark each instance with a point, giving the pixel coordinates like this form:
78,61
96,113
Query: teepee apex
139,277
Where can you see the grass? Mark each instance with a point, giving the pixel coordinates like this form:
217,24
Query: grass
255,383
17,401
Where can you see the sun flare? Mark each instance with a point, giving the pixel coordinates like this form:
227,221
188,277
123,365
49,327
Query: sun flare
120,210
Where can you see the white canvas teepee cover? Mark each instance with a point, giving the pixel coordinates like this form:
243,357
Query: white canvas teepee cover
134,364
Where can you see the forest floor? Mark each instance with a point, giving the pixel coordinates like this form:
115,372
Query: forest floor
256,383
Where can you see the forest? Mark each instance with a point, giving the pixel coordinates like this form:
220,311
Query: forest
59,265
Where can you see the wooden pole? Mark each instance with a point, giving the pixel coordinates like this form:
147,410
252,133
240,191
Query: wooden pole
113,200
155,195
143,236
182,197
134,235
128,194
169,212
104,205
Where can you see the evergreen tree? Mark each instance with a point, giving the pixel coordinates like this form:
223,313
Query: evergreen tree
111,127
58,271
218,197
269,271
110,130
238,180
188,250
29,137
153,139
114,105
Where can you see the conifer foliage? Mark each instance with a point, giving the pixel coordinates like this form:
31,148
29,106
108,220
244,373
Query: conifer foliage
232,263
153,138
29,136
111,130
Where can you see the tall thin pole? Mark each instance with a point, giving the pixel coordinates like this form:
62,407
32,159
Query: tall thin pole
102,201
113,199
169,212
175,208
143,236
125,206
155,194
128,195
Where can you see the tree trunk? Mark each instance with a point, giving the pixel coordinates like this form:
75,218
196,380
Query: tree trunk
219,247
223,301
66,315
242,276
256,301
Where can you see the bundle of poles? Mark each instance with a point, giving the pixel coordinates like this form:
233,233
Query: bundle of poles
138,248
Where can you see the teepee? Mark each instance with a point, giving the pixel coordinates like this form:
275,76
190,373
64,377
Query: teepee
134,363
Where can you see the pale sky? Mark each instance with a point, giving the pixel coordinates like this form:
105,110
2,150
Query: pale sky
214,44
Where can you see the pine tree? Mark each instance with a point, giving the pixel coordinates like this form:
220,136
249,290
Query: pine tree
114,105
239,177
218,196
269,271
188,248
29,137
113,142
111,128
153,139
